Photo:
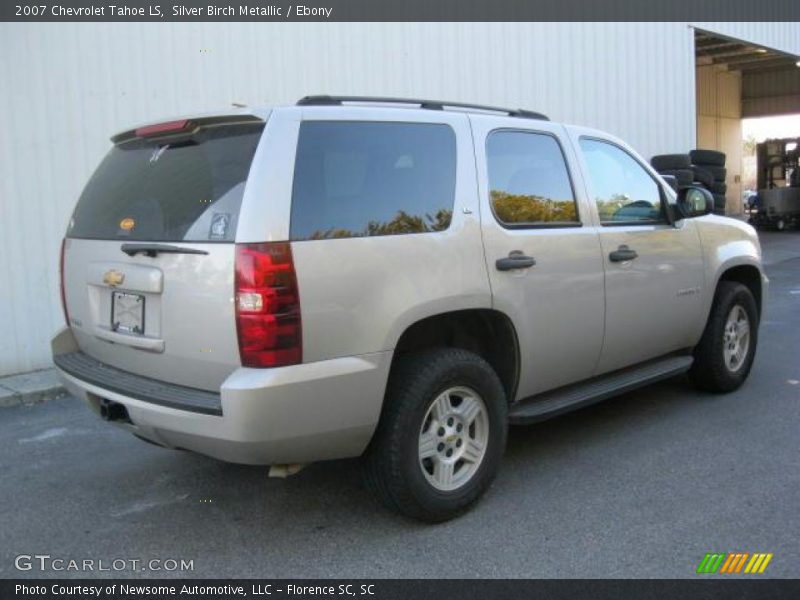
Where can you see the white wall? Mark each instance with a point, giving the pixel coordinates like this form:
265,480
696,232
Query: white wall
67,87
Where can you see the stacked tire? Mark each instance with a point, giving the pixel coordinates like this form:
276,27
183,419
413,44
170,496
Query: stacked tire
677,165
708,167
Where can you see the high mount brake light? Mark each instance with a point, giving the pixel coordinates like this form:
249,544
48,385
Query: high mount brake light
268,321
170,127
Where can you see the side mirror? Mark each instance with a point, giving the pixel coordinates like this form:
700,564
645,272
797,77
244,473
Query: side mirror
694,202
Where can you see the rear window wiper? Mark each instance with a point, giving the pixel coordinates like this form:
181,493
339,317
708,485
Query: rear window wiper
153,250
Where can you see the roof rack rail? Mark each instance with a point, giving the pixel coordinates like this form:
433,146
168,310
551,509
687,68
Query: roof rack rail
427,104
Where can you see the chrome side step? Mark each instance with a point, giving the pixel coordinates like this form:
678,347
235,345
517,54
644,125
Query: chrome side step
566,399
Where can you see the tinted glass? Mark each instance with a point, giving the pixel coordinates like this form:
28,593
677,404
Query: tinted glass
362,179
621,187
528,179
189,190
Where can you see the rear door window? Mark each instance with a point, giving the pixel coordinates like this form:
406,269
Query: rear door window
528,180
187,190
355,179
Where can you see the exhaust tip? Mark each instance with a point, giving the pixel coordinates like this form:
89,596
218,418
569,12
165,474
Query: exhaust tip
114,411
284,471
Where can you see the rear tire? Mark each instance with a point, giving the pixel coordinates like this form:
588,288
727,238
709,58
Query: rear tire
724,356
441,436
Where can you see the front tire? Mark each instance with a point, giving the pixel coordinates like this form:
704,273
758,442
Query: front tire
441,436
724,356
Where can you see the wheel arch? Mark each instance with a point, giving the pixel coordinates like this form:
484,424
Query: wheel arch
749,275
488,333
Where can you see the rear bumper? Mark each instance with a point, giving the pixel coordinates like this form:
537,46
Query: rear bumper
298,414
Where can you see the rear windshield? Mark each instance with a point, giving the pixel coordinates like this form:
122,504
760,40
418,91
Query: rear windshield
169,191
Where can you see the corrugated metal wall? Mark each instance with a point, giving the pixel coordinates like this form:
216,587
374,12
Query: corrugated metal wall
719,124
67,87
719,92
775,35
771,93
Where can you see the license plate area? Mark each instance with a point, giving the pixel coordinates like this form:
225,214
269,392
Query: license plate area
127,313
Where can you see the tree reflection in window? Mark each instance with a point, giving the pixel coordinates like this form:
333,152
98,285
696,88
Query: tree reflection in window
403,223
528,179
623,190
520,208
362,179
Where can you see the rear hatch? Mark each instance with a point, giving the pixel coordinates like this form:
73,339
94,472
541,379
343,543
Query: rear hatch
149,253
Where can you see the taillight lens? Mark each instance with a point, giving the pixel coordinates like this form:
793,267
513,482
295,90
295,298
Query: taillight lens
61,281
267,305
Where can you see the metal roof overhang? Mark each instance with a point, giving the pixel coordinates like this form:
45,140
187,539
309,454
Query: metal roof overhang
770,78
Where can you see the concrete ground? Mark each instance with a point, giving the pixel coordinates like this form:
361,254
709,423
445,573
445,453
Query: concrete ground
30,388
639,486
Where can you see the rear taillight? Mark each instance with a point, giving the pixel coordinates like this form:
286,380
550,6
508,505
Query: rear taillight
61,281
267,305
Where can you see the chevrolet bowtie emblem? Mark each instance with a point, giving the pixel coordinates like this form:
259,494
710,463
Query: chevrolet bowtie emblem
113,277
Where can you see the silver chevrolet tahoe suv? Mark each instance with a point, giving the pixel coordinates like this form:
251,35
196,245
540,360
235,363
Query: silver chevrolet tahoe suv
392,279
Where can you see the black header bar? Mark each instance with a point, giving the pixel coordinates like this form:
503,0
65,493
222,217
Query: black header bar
400,10
702,587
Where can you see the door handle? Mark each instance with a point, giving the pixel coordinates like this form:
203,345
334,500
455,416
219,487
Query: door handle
622,254
516,260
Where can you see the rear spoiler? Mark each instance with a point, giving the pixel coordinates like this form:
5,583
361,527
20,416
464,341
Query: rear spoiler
182,127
